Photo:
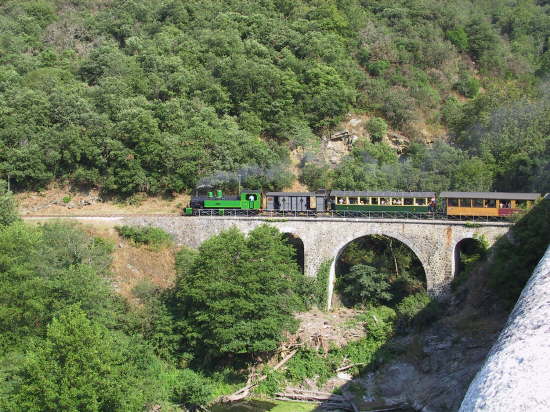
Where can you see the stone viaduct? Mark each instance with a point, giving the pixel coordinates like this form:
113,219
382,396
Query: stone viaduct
433,241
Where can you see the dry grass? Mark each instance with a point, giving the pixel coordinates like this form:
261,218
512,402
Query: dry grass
132,264
61,201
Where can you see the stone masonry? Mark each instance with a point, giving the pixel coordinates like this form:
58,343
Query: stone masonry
433,241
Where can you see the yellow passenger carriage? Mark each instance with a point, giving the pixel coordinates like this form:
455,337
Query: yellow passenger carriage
496,204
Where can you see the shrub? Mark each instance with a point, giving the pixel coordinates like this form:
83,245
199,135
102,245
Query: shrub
364,285
8,206
193,389
515,256
377,128
459,38
417,310
150,236
239,295
321,284
66,199
272,384
308,363
379,67
468,85
380,322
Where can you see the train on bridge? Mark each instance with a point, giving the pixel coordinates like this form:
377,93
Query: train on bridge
341,203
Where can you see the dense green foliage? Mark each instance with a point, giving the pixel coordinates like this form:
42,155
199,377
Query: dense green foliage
516,256
156,95
377,129
365,284
68,342
471,251
80,366
238,294
377,270
375,166
151,236
8,207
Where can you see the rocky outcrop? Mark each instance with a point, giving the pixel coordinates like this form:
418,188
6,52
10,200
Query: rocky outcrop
516,374
432,376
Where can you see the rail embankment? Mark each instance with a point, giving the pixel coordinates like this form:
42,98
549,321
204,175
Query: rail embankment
515,375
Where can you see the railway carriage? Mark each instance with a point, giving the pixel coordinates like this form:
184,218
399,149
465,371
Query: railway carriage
495,204
296,201
357,201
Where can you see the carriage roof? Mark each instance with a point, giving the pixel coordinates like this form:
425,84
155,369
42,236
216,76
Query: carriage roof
381,194
490,195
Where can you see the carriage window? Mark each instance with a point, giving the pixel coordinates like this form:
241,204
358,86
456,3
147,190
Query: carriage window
397,201
421,201
477,203
408,201
505,204
522,204
352,200
364,200
465,202
452,202
384,201
374,201
490,203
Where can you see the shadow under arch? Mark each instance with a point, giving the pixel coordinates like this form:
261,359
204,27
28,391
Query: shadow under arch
339,250
298,245
466,251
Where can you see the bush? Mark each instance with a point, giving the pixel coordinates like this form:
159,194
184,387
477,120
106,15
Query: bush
516,256
417,310
468,85
320,286
239,295
308,363
459,38
193,389
379,67
315,176
364,285
8,206
272,384
150,236
379,322
377,128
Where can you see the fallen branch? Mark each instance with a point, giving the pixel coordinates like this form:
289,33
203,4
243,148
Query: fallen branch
345,368
244,392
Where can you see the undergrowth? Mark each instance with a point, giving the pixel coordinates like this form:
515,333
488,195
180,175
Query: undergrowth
151,236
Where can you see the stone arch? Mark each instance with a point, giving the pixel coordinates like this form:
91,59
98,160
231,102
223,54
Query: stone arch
455,258
298,244
342,245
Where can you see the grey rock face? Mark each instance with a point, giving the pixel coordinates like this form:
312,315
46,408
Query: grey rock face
437,381
516,374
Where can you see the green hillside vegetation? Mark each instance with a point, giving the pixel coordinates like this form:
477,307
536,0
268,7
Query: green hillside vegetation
68,341
157,95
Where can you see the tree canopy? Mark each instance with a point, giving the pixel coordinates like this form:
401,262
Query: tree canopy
154,96
239,293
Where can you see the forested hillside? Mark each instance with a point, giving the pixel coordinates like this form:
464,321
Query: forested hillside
155,95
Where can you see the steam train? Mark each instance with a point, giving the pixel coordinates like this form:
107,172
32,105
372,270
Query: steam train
361,203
